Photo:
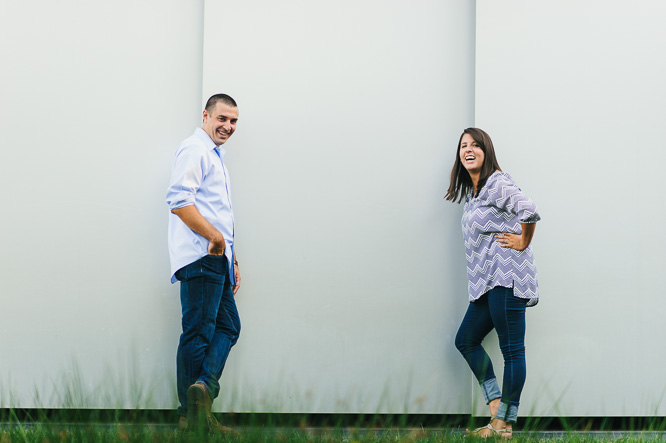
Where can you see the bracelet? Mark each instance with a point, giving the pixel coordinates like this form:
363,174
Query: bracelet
236,262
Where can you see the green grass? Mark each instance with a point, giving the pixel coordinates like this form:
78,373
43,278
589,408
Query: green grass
77,421
119,433
77,425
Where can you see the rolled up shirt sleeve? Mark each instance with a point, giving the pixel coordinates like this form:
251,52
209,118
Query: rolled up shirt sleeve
508,197
186,178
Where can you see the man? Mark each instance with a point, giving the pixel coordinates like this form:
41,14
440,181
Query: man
201,248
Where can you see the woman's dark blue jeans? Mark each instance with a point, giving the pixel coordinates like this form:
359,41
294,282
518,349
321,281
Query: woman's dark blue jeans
211,325
498,309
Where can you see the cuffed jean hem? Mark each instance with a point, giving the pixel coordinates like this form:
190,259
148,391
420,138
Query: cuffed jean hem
490,389
508,413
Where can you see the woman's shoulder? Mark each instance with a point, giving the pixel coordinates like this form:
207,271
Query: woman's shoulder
500,178
500,175
496,184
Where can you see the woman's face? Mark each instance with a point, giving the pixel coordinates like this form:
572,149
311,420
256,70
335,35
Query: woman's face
471,154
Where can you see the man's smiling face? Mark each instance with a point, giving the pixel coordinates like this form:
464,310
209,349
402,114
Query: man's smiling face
220,123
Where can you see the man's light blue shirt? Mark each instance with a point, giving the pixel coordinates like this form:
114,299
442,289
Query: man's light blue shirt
199,178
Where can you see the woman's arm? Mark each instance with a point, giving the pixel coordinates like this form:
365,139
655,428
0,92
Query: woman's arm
517,242
506,196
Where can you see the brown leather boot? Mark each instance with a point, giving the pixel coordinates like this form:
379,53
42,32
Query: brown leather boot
199,414
197,406
214,427
182,423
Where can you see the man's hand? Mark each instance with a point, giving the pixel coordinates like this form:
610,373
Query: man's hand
217,245
238,278
196,222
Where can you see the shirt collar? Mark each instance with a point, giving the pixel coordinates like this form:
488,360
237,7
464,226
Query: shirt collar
210,144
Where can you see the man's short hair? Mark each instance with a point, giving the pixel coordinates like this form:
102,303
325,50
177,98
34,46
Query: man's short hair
224,98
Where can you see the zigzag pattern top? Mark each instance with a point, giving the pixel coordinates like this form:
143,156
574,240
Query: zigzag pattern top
500,207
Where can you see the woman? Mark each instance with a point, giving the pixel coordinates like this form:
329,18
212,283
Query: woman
498,224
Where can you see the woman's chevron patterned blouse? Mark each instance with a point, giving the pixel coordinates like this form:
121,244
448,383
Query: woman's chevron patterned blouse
500,207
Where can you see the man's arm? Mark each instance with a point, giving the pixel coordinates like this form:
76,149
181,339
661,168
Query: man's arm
196,222
191,216
236,274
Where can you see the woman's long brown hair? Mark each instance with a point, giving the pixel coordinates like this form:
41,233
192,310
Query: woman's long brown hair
461,183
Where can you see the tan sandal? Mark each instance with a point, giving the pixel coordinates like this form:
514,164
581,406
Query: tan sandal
504,433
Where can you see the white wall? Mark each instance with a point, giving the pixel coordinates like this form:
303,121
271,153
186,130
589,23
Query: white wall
573,95
353,277
353,266
95,97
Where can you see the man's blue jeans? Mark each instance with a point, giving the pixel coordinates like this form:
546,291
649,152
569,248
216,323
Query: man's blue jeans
498,309
211,325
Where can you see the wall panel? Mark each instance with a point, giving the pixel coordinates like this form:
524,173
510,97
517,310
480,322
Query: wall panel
572,94
354,280
95,97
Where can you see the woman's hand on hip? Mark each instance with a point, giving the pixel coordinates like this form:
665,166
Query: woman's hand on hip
513,241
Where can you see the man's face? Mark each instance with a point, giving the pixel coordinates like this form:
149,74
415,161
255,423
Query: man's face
220,123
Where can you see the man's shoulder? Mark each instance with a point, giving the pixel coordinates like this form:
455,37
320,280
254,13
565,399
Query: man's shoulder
192,145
